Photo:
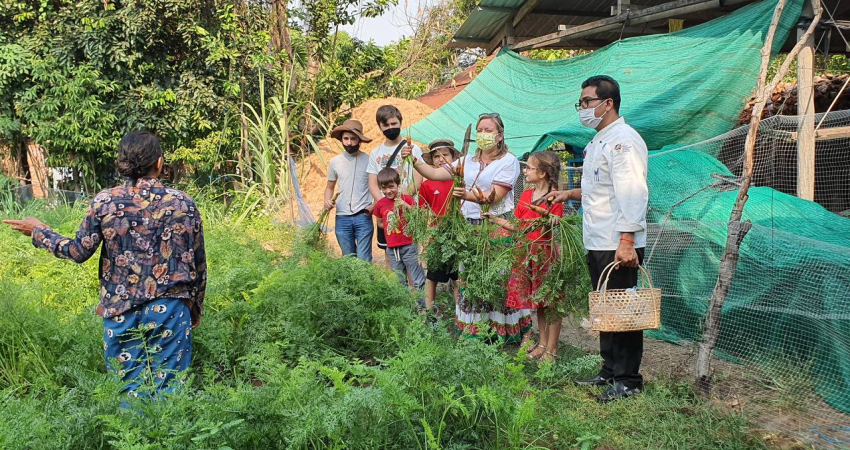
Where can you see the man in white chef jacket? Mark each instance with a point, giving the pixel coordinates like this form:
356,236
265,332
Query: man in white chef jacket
614,199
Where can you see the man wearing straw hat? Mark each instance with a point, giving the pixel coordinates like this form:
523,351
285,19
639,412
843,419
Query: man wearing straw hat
614,199
354,205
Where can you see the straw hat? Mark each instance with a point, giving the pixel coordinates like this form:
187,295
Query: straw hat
439,143
352,126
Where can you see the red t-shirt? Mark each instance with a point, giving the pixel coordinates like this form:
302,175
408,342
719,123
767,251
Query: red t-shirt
384,210
436,195
523,212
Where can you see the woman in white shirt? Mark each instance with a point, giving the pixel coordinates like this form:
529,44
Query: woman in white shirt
491,168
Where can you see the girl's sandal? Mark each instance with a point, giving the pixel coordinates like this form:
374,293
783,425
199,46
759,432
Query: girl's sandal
537,353
548,357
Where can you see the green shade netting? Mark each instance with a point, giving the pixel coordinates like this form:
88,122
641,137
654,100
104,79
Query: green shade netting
677,88
789,304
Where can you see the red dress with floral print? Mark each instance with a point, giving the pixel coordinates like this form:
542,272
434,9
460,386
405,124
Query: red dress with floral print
536,252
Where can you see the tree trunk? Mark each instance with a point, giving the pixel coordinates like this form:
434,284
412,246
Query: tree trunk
281,41
244,155
76,185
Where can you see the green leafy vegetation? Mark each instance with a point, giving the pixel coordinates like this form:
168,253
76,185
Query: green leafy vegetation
304,352
446,238
567,281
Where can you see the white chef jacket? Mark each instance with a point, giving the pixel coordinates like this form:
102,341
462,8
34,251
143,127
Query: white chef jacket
614,194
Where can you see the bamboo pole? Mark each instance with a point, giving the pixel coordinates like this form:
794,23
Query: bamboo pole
737,230
806,124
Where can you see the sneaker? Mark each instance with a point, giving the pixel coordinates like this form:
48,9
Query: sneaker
618,391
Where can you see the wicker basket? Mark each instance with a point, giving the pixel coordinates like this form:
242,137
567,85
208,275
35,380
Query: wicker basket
622,309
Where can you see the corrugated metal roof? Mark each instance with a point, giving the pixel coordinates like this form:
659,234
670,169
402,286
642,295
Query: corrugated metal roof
482,23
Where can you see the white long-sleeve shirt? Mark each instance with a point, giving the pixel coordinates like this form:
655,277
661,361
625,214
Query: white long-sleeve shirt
614,194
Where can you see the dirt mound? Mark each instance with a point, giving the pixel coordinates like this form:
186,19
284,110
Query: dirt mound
411,110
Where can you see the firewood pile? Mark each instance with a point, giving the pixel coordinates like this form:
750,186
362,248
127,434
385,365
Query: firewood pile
784,98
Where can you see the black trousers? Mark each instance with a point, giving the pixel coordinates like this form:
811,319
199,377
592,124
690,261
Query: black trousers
621,352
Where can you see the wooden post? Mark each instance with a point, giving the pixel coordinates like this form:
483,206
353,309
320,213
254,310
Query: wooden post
737,229
806,111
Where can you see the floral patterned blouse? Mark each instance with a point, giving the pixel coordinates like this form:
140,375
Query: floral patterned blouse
153,246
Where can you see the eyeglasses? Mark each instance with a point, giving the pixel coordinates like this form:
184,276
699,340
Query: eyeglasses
530,168
585,102
494,115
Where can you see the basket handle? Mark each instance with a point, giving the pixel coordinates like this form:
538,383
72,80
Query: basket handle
606,273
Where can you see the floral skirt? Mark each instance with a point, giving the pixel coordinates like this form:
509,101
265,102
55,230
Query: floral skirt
509,324
527,275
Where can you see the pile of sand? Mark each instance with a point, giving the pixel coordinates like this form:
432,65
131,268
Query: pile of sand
412,111
312,170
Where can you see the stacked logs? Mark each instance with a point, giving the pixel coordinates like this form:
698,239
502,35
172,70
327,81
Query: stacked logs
784,98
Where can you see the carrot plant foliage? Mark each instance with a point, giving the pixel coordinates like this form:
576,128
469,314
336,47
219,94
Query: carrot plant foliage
302,352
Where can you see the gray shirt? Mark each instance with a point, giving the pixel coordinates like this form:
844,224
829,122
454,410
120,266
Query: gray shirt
349,172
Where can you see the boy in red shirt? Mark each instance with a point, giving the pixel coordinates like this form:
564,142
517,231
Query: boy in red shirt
401,251
436,195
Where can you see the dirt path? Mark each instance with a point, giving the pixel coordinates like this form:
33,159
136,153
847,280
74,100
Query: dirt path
784,407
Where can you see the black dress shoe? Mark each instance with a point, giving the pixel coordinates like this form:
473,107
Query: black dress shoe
598,380
616,392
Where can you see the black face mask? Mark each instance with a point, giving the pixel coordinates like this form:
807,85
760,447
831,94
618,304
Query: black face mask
392,133
351,148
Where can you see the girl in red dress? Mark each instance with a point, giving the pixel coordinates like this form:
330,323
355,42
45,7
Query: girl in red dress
532,265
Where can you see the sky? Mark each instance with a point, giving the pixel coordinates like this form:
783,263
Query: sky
387,28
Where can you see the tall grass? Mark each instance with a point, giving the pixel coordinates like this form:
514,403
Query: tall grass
275,134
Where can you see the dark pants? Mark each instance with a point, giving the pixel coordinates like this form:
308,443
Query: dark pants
621,352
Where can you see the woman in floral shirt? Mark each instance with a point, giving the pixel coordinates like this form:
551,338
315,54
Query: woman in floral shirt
153,270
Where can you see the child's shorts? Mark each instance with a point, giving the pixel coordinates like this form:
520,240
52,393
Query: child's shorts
382,239
440,276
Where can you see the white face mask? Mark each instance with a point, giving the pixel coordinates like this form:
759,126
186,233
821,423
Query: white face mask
587,116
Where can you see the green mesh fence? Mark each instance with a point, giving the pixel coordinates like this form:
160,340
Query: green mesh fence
788,310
